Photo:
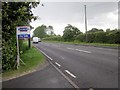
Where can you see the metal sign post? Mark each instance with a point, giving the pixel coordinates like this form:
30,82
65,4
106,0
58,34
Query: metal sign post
18,56
21,33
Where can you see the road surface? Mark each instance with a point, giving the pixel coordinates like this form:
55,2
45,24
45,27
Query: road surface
48,77
86,66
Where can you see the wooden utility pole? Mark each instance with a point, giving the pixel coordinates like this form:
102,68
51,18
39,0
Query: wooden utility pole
86,23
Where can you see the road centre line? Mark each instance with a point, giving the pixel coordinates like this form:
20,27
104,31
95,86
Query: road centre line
79,50
70,73
70,48
83,51
58,64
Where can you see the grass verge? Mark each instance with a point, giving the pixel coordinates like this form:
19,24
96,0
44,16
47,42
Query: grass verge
32,58
83,43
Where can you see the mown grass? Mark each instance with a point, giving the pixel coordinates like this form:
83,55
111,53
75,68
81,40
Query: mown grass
32,59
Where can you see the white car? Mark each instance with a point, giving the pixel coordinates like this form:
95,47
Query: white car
35,40
39,39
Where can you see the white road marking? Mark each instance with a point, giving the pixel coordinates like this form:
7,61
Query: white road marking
62,57
70,73
83,51
47,55
70,48
71,82
58,64
79,50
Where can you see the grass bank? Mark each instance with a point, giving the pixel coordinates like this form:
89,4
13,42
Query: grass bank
32,58
84,43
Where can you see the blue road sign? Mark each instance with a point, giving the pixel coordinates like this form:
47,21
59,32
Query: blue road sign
23,32
21,36
23,28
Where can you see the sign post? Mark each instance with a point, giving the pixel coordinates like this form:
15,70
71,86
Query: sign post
21,33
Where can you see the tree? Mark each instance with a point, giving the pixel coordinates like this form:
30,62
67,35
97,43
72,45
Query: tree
13,14
80,37
113,36
40,31
70,33
96,35
50,30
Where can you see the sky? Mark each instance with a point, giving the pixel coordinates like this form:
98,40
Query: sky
101,15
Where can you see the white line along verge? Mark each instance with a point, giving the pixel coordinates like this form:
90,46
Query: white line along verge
83,51
70,73
58,64
45,54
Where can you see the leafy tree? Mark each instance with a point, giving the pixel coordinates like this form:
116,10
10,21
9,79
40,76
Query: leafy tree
80,37
13,14
70,33
113,36
40,31
50,30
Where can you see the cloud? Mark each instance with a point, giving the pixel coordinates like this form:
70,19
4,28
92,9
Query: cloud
59,14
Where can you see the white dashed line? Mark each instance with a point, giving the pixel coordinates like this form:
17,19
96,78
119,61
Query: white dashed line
83,51
79,50
70,48
58,64
70,73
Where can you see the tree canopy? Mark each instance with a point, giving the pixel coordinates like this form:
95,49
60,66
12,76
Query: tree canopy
40,31
43,31
13,14
70,32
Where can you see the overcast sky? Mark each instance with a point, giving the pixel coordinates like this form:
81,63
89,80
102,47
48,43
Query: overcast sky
101,15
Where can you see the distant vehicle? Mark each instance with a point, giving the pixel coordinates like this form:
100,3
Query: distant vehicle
39,39
35,40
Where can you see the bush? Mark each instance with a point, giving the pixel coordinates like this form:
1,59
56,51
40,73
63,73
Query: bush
9,53
53,38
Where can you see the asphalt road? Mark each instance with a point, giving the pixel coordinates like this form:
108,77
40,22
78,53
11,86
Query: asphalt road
48,77
86,66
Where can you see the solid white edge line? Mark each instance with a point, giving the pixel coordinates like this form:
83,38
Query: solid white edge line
70,73
58,64
46,55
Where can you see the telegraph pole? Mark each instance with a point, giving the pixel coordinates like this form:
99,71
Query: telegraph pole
86,23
